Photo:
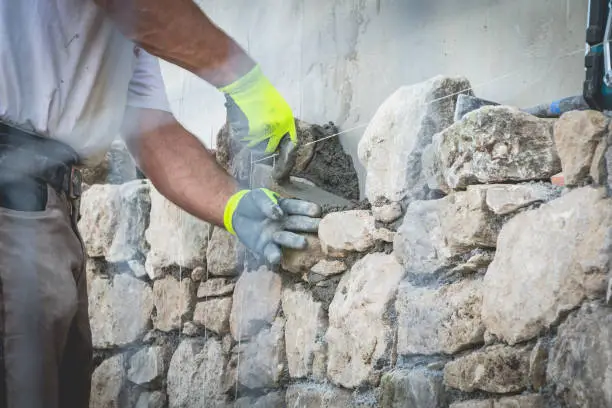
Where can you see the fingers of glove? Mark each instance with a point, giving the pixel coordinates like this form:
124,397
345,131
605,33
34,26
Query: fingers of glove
285,161
272,253
288,239
300,223
300,207
266,205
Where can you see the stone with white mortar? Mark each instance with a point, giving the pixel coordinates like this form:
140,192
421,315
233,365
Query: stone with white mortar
444,320
176,238
567,243
174,300
119,310
495,144
214,314
257,297
359,335
403,126
304,330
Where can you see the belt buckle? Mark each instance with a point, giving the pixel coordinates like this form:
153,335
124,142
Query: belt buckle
74,184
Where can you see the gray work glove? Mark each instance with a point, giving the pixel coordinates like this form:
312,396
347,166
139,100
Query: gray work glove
264,222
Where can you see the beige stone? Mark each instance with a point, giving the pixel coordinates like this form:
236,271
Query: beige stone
317,396
215,287
224,256
329,268
301,260
347,231
548,261
387,213
107,383
174,301
505,199
214,314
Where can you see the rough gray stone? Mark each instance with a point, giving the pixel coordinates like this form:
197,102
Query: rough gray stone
155,399
477,262
304,331
214,314
119,310
394,140
505,199
190,329
137,269
537,365
107,383
270,400
348,231
495,144
196,375
300,261
174,300
176,238
117,167
215,287
568,262
577,135
257,298
473,404
499,369
114,218
598,171
580,359
436,234
147,365
444,320
412,388
359,334
224,255
520,401
317,396
199,272
261,359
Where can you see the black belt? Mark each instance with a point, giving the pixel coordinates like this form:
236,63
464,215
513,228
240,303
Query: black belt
43,159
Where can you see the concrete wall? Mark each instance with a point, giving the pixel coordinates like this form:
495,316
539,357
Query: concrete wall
339,59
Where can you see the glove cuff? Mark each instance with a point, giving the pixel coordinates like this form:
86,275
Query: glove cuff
253,79
230,209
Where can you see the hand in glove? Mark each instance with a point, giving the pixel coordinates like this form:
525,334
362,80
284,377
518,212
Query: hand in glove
261,118
264,222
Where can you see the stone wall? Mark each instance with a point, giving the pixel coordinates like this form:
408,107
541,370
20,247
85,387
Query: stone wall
469,281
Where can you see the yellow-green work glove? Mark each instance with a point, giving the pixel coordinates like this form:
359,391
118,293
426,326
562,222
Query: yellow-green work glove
257,112
264,222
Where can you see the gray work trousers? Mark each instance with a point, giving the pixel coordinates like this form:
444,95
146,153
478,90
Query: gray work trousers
45,348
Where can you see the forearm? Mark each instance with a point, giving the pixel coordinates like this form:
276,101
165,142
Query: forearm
179,32
177,164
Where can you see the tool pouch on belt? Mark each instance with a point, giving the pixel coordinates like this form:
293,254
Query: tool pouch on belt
28,163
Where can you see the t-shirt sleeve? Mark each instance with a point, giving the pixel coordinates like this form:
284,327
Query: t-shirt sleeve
146,89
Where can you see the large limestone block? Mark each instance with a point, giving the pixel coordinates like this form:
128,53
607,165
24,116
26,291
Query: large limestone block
176,238
174,300
359,334
305,328
495,144
257,298
114,219
577,135
500,369
547,262
107,383
317,396
117,167
119,310
403,126
412,388
196,375
435,234
224,254
581,358
347,231
262,358
444,320
214,314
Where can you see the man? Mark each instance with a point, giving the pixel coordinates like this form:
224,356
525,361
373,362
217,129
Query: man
72,73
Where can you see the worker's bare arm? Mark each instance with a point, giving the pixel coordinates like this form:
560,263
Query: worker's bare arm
177,163
179,32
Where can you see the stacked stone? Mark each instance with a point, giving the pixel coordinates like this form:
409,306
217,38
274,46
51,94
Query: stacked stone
471,282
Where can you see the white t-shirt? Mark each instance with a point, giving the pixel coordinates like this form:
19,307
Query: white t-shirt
67,73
